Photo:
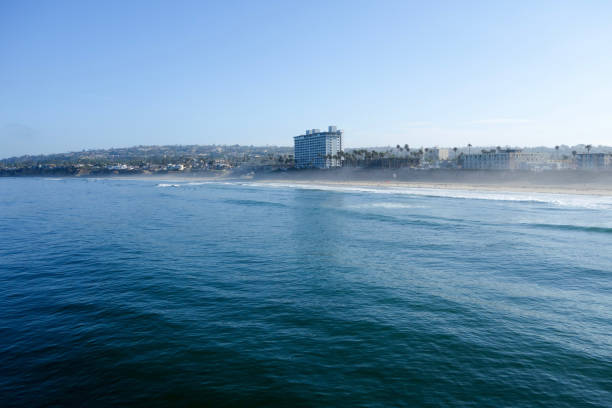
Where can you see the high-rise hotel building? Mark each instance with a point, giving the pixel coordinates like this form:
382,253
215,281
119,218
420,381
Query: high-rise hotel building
318,149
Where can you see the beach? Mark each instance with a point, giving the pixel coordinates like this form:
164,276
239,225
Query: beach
553,189
553,182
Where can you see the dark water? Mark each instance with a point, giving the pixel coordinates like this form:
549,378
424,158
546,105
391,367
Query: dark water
116,292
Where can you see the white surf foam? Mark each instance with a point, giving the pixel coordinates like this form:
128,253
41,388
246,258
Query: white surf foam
555,199
564,200
164,185
387,205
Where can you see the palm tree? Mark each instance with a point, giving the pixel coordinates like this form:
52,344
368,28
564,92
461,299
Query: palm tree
469,148
381,156
455,150
588,147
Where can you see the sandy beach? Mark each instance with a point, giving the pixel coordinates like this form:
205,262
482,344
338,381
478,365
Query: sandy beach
537,186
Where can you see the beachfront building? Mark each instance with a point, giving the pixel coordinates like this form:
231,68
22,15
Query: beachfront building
504,159
559,164
318,149
594,161
436,154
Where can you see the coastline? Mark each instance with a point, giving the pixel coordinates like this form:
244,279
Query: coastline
585,190
490,185
582,189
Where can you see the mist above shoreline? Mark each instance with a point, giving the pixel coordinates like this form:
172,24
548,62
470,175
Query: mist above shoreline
575,178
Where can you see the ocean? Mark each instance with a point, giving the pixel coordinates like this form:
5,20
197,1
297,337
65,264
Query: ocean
119,292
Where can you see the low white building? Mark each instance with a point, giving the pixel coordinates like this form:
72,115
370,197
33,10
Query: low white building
436,154
594,161
507,159
120,167
176,167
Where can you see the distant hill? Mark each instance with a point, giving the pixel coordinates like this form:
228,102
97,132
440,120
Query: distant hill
148,153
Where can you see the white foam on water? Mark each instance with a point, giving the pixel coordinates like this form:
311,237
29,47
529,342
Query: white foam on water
172,183
387,205
563,200
164,185
556,199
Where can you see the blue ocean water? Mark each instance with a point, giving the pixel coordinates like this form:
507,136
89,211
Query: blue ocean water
142,293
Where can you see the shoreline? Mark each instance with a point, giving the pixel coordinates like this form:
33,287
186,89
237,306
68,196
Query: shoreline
511,187
597,190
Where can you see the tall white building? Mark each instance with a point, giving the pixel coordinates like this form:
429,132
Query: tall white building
318,149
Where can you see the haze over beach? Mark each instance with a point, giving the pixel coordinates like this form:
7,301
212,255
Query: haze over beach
338,204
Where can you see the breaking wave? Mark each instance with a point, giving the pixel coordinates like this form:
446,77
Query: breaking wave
165,185
556,199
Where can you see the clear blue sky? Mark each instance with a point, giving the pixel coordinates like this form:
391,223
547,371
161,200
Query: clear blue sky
85,74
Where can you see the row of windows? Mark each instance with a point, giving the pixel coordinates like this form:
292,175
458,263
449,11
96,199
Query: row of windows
312,152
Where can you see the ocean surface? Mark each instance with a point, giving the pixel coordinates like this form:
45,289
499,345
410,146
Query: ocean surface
146,293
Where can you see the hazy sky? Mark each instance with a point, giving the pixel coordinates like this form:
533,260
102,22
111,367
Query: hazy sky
85,74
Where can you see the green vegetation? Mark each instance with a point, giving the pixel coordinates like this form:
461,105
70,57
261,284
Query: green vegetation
149,159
